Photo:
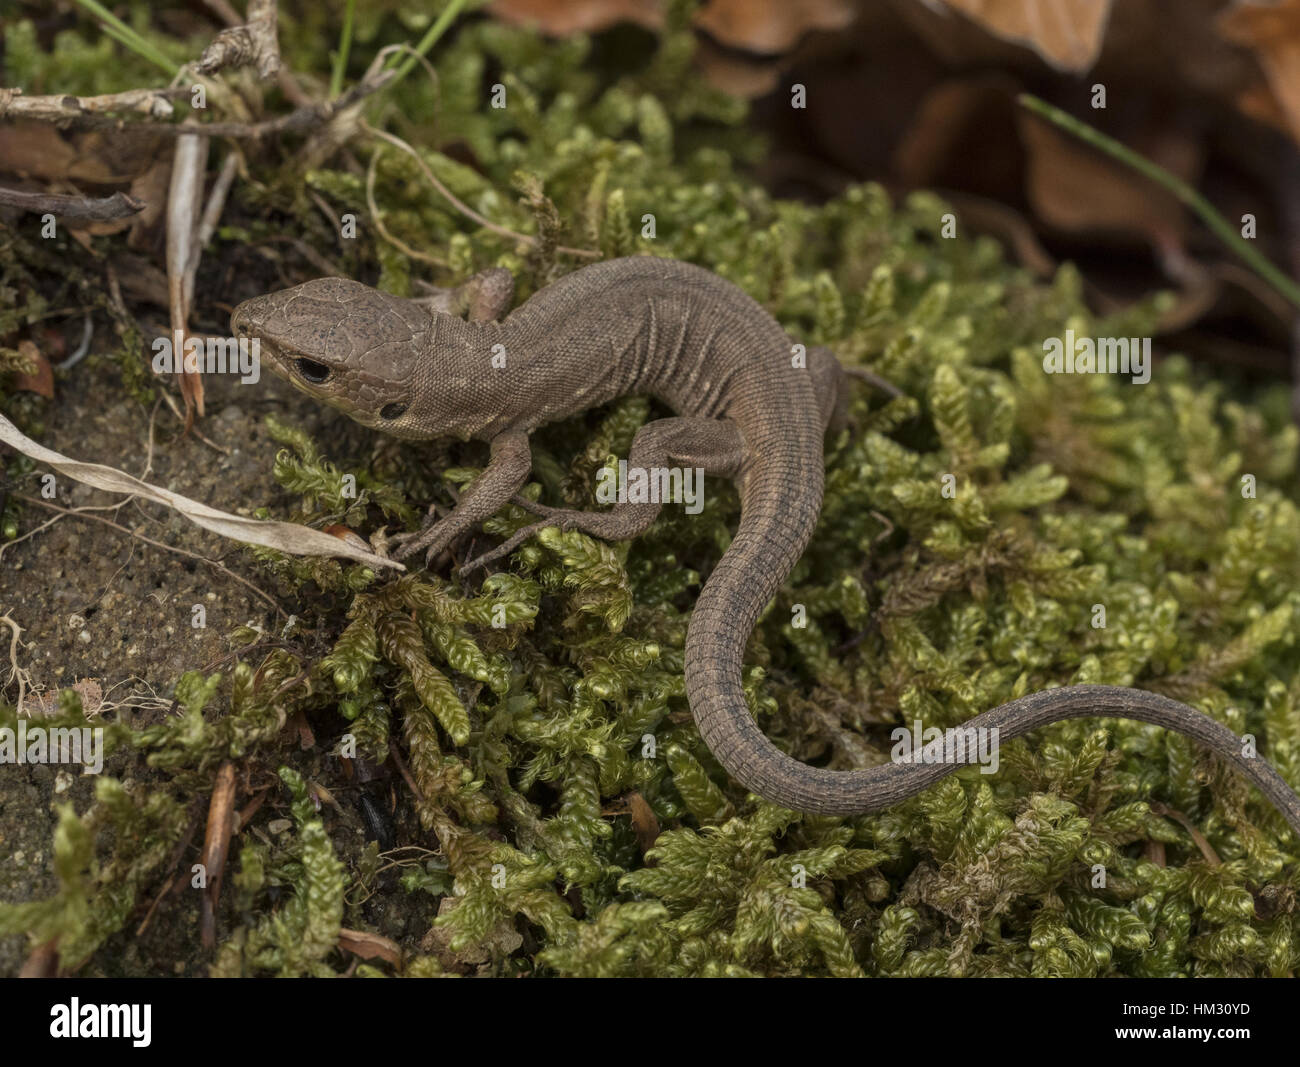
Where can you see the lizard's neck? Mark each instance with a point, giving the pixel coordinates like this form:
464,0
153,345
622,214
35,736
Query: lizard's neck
545,362
462,387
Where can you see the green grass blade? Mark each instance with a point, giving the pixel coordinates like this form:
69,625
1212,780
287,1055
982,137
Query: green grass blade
345,46
1206,211
431,38
124,35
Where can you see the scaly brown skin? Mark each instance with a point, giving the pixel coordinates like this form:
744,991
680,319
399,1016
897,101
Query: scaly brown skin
746,411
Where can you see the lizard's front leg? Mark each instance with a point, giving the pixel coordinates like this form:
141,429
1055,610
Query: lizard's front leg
507,470
483,298
714,445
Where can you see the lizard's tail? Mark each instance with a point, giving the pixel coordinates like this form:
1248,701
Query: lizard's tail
767,544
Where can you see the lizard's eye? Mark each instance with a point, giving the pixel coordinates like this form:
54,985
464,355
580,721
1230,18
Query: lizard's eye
392,411
311,370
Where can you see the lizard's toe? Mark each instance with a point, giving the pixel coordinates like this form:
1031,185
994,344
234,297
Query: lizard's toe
505,548
544,510
431,540
404,546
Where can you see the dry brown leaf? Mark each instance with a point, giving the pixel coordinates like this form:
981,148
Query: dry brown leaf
1258,102
1075,188
41,381
497,944
644,822
559,18
284,536
1273,32
963,134
345,533
1066,33
771,26
739,75
151,187
766,27
36,151
370,946
41,152
141,279
46,705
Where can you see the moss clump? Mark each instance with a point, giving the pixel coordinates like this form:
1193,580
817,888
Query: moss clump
542,715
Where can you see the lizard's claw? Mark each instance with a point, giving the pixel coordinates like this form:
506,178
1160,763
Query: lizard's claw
431,540
505,548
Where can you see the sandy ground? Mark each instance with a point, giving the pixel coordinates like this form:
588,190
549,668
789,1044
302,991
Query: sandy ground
95,603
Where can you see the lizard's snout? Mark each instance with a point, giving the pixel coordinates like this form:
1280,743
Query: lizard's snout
253,317
241,322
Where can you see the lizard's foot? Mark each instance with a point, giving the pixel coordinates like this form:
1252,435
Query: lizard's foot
616,525
431,540
506,547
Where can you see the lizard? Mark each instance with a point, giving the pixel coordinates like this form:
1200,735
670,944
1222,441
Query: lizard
746,408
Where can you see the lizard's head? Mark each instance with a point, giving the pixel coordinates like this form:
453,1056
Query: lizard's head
344,343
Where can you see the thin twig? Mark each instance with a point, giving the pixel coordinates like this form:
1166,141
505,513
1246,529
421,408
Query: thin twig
94,208
463,207
405,771
58,107
16,673
377,218
288,83
81,351
255,42
216,202
1207,850
306,117
175,409
177,853
308,253
184,194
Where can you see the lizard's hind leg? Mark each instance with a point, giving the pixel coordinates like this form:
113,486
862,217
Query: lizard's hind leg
830,385
712,445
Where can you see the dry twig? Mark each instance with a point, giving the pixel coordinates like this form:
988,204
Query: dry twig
92,208
216,843
60,107
254,43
